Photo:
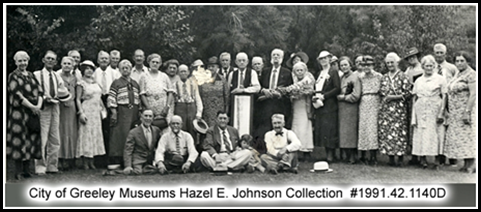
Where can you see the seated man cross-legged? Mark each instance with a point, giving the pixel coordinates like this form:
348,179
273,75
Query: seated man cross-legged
176,150
282,146
219,145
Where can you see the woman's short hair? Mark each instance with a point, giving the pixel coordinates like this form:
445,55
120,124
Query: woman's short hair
300,64
68,58
428,58
464,54
351,64
394,56
125,62
152,56
19,54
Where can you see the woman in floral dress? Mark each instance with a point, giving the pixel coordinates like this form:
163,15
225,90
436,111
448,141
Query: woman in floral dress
90,141
461,134
368,110
157,91
393,123
24,102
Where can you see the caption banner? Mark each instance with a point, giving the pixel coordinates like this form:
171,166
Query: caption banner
239,193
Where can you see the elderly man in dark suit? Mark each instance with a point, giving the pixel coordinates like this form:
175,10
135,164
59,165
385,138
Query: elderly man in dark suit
270,101
140,146
220,142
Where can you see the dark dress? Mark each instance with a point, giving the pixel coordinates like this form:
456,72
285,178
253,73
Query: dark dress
326,130
124,96
22,143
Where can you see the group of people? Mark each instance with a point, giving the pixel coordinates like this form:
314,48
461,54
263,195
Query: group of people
171,117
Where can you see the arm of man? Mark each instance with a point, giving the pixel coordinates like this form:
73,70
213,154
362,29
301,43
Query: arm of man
269,145
198,101
294,144
255,85
209,143
160,150
191,149
129,149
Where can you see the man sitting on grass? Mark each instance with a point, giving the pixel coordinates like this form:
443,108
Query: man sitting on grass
176,150
140,146
282,146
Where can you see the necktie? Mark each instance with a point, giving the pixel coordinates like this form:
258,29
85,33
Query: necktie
241,81
226,142
148,136
440,70
52,84
177,143
130,93
184,92
104,82
273,79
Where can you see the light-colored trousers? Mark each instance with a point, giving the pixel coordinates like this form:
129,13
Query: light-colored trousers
50,136
241,158
271,161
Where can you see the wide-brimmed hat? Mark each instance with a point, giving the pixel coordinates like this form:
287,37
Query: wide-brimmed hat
324,54
410,52
367,60
302,55
88,63
63,94
321,167
200,126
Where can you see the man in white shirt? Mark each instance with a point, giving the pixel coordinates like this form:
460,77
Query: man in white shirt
139,69
114,62
176,151
75,54
54,92
104,75
448,71
282,146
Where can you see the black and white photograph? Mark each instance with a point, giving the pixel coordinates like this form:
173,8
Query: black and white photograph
240,105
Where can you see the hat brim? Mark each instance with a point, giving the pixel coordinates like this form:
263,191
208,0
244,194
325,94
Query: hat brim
302,55
321,171
413,54
200,126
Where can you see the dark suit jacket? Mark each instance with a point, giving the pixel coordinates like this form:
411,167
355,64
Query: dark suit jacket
213,140
330,90
137,151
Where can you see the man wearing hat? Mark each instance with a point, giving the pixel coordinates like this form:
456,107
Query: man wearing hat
54,92
271,101
219,144
282,146
176,150
140,146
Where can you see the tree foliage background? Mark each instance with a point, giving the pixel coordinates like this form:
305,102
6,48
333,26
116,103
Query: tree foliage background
188,32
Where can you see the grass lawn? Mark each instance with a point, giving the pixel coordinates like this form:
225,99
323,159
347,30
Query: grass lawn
343,174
